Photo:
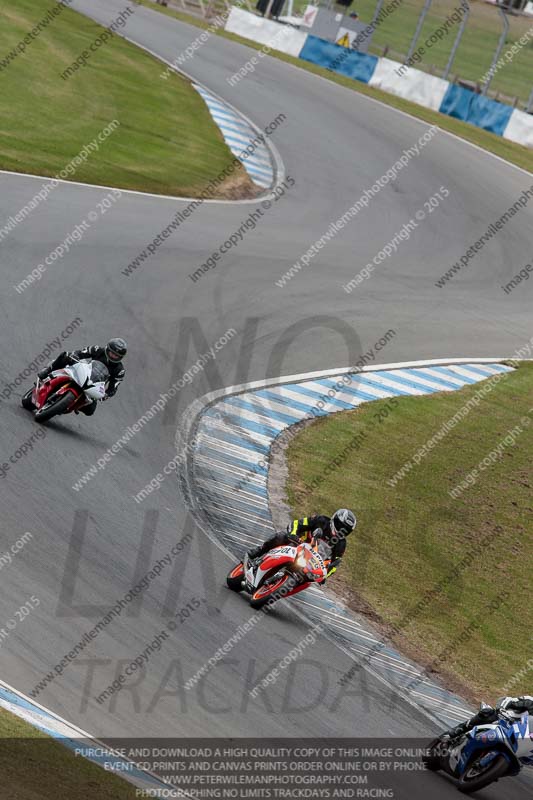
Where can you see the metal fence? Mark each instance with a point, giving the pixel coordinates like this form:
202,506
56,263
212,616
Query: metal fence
480,45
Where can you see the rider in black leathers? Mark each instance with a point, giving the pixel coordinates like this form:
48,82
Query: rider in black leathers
334,531
488,715
111,355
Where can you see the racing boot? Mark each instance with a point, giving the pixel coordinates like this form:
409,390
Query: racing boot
255,552
454,733
485,714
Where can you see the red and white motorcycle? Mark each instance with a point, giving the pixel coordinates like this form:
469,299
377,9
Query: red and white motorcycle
281,572
66,390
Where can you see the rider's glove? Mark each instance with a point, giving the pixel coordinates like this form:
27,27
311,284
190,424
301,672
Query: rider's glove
332,569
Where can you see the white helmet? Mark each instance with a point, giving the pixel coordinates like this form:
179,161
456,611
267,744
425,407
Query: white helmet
343,522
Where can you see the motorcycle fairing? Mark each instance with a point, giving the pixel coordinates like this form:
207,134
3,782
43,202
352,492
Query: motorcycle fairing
496,739
81,375
90,376
524,739
56,383
273,560
278,557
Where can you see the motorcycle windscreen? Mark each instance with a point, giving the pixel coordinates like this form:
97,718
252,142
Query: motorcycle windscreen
324,550
99,372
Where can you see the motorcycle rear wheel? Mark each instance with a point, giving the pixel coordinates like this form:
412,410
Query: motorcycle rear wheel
496,770
55,407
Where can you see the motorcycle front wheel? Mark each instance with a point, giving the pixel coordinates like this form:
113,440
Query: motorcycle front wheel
26,401
431,761
54,407
235,578
472,780
269,591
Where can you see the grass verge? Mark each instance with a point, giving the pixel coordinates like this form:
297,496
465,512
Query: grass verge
510,151
413,534
36,767
166,143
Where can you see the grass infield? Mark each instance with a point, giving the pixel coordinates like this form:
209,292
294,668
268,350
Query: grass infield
36,767
166,143
469,558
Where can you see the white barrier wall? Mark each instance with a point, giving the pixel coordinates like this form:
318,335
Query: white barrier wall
275,36
412,84
520,128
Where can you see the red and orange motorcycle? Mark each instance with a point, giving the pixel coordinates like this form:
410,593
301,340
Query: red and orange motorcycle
281,572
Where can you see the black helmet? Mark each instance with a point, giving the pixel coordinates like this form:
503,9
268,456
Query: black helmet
116,349
343,522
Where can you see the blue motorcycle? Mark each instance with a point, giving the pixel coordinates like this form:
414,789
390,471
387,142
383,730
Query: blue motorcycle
484,754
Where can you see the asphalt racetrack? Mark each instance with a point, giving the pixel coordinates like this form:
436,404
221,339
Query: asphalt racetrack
90,545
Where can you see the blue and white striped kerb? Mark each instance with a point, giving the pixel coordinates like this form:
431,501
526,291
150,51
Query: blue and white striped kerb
229,482
238,135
